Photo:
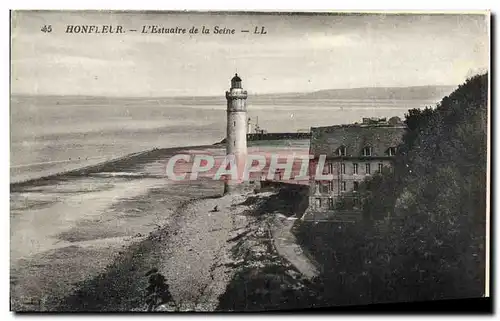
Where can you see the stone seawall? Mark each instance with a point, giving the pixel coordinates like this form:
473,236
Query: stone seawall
274,136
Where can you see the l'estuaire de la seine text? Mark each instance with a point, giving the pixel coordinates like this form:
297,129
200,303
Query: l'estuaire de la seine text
158,29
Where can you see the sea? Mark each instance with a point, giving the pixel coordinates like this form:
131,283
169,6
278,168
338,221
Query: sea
52,134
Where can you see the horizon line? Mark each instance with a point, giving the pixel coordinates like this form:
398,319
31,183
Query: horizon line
11,94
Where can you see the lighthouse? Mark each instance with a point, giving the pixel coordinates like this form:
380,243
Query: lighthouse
236,140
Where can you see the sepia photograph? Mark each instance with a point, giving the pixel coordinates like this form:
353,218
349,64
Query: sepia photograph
244,161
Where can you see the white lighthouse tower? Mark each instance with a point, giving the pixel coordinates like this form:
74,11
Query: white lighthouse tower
236,140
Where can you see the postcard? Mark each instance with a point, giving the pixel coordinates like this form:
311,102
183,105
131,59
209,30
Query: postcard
217,161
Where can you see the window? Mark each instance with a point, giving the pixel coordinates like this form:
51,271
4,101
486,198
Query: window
342,151
354,168
330,186
367,168
325,188
330,203
343,186
342,168
330,168
318,202
367,151
392,151
234,123
380,166
355,187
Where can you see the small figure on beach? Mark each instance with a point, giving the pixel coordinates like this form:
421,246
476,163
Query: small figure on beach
215,209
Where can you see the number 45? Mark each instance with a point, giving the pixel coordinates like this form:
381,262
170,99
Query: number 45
46,28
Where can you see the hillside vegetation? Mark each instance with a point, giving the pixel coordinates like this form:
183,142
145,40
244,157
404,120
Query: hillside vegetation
433,245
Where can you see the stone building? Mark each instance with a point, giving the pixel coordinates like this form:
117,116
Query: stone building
352,152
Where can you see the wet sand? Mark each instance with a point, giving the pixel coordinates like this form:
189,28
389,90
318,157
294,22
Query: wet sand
69,228
83,242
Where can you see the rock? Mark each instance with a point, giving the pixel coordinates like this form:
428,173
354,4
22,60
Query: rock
294,274
167,307
231,262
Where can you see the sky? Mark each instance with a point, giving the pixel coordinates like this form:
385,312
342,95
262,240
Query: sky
299,53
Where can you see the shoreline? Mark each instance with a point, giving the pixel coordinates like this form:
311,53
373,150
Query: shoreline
130,160
125,226
206,257
126,274
118,241
134,160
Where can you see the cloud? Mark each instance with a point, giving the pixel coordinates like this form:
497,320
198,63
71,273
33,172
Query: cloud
476,71
298,53
323,41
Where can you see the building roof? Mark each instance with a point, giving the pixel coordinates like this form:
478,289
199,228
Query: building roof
328,140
